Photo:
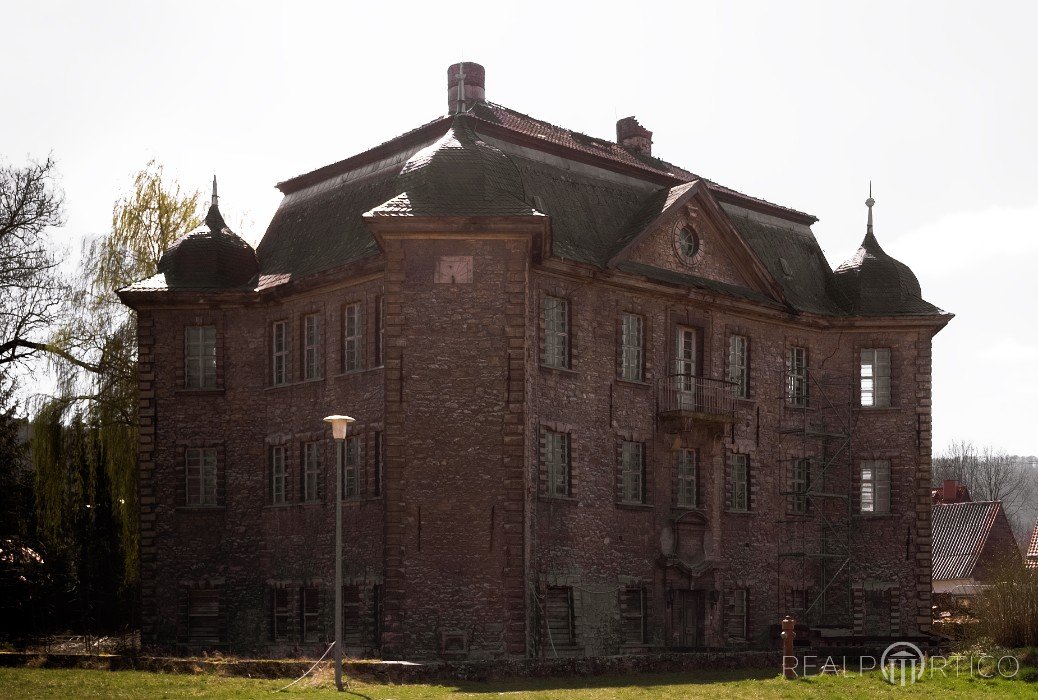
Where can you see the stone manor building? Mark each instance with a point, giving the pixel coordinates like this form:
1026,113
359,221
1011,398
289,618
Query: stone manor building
604,405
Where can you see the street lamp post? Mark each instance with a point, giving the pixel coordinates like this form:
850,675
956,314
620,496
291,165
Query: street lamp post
339,425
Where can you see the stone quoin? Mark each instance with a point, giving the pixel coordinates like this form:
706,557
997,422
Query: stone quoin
603,406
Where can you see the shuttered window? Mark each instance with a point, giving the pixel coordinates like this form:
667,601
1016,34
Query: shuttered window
735,614
875,377
559,625
203,615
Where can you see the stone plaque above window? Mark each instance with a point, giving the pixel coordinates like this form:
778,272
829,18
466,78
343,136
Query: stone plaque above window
454,269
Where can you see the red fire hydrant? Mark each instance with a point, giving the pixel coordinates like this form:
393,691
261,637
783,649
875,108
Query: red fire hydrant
789,662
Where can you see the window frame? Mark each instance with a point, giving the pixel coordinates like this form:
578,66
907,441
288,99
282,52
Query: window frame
878,488
310,619
627,617
739,365
632,472
632,347
737,615
349,463
555,317
557,457
876,363
280,614
279,353
740,474
200,357
312,365
353,337
796,376
278,475
311,472
206,477
378,461
800,484
686,469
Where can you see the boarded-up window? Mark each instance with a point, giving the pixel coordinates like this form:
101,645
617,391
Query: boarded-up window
200,468
203,615
281,615
310,613
558,614
735,614
632,615
556,456
688,496
200,357
632,471
876,613
556,332
875,377
352,634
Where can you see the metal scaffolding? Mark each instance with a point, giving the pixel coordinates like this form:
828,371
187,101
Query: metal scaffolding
815,438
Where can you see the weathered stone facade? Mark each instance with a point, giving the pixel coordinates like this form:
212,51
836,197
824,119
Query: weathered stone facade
455,543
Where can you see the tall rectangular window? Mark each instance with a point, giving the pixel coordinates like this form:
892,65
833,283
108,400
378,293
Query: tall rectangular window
380,330
735,614
875,486
632,471
800,482
200,357
632,615
349,462
738,365
281,615
378,460
556,332
632,347
352,338
310,613
312,346
688,496
558,616
203,615
311,471
796,377
278,475
279,360
740,465
875,377
556,461
200,466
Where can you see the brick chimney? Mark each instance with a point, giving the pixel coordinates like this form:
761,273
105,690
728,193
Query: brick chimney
633,136
473,77
951,491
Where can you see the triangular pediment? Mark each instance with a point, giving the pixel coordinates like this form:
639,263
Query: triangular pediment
683,230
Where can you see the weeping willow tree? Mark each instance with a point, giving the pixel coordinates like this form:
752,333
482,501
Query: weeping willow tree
95,367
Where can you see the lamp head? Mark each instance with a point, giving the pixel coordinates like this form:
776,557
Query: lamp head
339,425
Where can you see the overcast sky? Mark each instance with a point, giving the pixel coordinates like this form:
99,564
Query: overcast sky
799,103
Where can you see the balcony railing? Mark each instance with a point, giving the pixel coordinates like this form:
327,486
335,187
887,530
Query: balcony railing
686,395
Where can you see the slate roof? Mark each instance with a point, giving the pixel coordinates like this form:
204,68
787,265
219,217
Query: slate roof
960,531
211,257
494,161
872,283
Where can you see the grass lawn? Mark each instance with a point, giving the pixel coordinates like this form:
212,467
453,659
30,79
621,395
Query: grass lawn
719,685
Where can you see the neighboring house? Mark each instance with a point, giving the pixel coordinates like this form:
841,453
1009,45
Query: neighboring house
973,542
1032,549
951,491
604,405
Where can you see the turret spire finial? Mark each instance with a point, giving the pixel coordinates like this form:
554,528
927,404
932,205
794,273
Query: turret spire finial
869,203
215,197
